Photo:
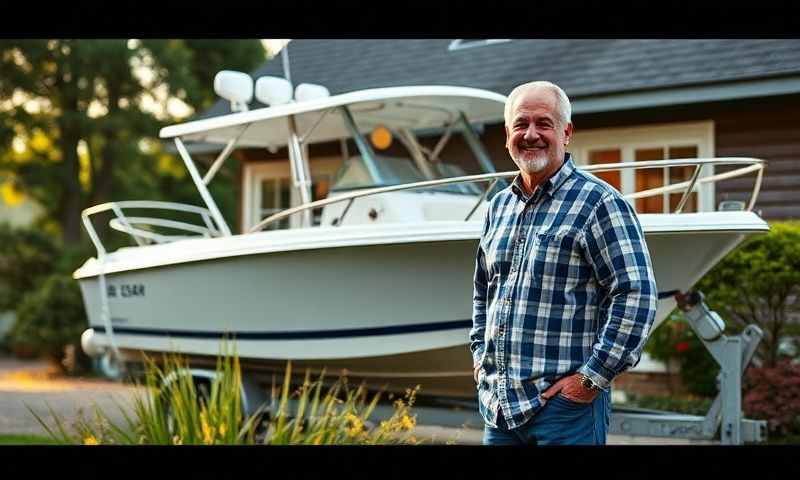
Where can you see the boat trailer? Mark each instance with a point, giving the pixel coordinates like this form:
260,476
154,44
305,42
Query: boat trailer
733,353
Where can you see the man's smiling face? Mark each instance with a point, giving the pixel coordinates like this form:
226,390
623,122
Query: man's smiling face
536,137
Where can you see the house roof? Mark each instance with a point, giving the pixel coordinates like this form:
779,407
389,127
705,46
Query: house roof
597,74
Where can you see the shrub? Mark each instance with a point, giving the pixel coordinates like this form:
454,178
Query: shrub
758,283
50,319
27,256
773,394
675,341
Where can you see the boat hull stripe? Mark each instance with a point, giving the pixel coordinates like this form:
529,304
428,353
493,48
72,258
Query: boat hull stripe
301,335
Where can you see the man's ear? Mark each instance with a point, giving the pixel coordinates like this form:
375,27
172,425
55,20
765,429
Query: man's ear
508,137
567,134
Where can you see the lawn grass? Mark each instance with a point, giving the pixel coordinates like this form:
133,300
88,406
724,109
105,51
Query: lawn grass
22,439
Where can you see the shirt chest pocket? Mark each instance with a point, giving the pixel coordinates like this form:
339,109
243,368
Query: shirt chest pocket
555,250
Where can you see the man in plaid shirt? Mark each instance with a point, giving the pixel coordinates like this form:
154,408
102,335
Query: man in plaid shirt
564,288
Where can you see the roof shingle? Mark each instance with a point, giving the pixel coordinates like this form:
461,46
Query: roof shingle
583,68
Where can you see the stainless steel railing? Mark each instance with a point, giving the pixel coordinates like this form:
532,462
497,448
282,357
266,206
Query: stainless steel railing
126,224
748,165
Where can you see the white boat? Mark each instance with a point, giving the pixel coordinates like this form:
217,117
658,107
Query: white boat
381,284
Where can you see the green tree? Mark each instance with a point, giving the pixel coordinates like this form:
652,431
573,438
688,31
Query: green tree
759,283
79,118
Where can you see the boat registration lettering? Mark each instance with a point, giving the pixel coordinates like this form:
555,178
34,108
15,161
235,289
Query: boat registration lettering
126,290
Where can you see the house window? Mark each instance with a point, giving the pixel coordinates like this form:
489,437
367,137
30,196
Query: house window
267,189
461,44
276,195
657,142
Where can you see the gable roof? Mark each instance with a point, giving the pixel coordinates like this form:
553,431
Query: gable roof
597,74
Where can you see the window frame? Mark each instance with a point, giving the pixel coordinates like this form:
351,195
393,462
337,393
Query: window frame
628,139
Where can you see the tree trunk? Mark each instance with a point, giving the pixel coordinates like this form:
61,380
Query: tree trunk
69,137
73,203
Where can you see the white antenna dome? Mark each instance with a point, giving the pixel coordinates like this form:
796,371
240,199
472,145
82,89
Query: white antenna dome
310,91
236,87
273,91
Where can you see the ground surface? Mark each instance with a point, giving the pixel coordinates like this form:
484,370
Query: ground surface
32,384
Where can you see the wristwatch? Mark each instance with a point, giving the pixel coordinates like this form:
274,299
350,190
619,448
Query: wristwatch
587,383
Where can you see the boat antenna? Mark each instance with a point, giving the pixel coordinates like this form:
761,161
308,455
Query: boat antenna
285,57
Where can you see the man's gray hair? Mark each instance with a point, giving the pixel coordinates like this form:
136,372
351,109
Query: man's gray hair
562,101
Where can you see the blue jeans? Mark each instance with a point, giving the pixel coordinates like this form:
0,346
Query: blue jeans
559,422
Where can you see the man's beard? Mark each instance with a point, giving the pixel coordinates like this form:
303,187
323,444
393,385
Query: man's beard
532,165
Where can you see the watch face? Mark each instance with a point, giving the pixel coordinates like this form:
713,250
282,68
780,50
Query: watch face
587,383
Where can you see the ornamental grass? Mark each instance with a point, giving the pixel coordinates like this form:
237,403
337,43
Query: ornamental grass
172,409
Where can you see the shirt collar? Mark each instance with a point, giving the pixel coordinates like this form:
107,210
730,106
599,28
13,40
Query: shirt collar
550,185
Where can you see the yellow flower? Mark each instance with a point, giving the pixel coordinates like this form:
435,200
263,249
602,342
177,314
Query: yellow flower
208,431
90,440
357,426
407,422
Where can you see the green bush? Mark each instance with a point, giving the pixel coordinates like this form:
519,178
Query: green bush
50,319
675,341
27,256
758,283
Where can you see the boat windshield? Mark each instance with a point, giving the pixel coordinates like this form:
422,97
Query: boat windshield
407,156
354,175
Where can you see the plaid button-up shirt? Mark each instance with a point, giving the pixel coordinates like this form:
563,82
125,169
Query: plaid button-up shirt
563,284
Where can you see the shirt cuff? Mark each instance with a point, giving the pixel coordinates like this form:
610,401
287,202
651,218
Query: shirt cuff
477,356
599,374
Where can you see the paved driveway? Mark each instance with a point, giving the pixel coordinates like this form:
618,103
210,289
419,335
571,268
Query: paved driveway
29,383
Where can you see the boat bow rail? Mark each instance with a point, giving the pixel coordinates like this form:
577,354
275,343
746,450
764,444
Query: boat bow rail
745,166
132,225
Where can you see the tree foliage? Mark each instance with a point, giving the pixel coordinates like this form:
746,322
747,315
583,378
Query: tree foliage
80,118
759,283
27,256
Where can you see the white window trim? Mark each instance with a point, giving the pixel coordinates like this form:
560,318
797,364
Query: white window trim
255,172
628,139
461,44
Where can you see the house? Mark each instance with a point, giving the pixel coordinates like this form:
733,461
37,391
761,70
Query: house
632,100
